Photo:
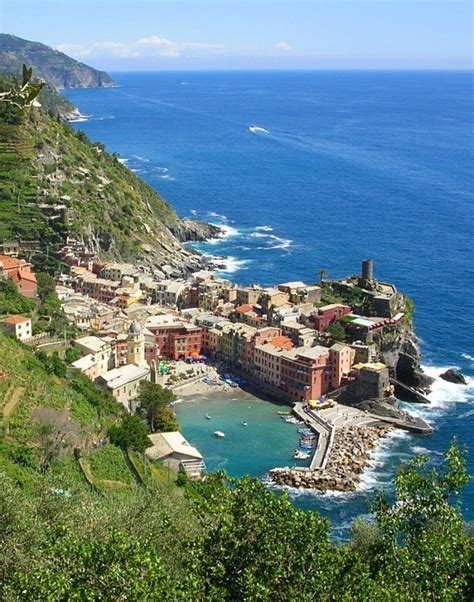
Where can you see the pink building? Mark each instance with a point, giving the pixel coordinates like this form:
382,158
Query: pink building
341,357
305,373
328,314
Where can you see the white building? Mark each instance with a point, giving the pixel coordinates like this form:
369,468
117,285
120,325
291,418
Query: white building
123,383
102,352
174,451
168,292
18,326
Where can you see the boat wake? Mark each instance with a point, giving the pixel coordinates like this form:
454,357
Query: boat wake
255,129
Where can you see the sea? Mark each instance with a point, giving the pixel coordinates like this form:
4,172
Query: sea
307,170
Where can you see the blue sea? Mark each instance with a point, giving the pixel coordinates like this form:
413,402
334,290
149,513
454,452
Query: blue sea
310,170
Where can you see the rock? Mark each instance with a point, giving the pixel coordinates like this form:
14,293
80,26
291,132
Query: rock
454,376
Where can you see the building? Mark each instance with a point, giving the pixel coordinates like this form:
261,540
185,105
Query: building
341,358
116,271
123,383
299,292
175,338
169,292
19,326
174,451
11,249
102,352
19,272
136,345
305,373
329,314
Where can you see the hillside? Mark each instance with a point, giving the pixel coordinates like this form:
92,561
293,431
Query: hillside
54,67
45,165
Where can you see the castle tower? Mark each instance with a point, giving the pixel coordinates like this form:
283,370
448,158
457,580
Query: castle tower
367,270
136,345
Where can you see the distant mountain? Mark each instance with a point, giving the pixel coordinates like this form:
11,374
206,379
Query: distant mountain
54,67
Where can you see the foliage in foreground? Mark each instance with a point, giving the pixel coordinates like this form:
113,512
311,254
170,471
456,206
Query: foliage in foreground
235,540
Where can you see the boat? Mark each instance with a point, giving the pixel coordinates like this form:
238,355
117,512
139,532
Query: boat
305,432
280,413
219,434
244,423
208,416
256,128
299,455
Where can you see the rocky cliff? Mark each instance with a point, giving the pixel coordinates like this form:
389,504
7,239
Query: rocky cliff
54,67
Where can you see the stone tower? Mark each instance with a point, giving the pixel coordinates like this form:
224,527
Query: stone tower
136,345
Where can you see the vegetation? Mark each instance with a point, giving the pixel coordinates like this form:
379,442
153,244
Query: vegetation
11,302
153,402
130,433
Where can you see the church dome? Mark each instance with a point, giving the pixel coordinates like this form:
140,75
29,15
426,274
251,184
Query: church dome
135,328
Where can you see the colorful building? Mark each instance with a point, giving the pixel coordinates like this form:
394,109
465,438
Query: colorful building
19,326
329,314
19,272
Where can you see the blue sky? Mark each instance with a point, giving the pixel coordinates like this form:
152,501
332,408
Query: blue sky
230,34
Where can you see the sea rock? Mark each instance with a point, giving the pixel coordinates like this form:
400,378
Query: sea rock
187,230
454,376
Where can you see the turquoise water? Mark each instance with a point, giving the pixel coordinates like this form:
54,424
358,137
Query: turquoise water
267,440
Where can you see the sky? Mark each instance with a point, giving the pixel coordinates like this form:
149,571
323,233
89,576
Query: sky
143,35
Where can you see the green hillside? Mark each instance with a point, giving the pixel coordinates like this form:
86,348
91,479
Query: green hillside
52,66
44,162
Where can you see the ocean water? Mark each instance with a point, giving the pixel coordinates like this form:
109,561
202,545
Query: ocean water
337,167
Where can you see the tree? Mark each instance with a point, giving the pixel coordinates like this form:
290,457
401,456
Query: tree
152,400
337,331
323,274
130,433
23,95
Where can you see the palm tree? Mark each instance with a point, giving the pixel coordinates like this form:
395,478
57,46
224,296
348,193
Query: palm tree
322,275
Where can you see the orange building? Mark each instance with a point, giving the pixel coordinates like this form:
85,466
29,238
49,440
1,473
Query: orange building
19,272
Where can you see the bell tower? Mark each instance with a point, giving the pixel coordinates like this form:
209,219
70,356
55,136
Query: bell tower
136,345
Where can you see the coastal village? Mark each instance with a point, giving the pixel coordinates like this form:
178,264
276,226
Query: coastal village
285,342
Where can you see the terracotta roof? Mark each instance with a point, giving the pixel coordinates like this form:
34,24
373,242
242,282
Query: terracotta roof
11,262
243,309
15,320
282,341
24,275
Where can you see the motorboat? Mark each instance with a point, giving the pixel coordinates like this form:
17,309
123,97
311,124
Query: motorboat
219,434
299,455
208,416
244,423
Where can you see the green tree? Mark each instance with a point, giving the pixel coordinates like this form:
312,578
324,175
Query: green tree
130,433
153,400
337,331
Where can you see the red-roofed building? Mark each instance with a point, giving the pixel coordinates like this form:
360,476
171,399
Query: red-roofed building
19,271
20,326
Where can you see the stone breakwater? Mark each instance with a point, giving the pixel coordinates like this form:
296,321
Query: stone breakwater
351,450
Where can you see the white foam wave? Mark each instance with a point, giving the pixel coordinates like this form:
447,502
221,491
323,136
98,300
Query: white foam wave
123,160
142,159
193,212
466,356
79,119
444,393
136,170
226,232
266,229
228,265
273,242
167,177
218,216
161,169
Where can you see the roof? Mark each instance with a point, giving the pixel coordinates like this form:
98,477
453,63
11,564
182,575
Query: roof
243,309
91,343
84,363
297,284
24,275
166,444
135,328
314,353
8,262
283,342
372,366
332,306
338,347
117,377
15,320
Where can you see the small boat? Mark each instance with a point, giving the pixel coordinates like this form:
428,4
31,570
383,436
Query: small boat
283,413
298,455
219,434
244,423
208,417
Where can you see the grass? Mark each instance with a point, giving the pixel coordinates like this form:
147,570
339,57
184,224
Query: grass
108,463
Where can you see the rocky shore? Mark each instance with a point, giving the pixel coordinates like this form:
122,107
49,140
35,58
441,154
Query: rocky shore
351,450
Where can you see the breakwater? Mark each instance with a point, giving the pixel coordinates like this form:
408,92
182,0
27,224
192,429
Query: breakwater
351,450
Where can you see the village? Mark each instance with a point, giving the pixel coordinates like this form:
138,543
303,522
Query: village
284,342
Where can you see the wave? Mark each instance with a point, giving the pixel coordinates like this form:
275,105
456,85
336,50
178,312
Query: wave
273,242
136,170
228,265
269,229
226,232
79,119
161,169
466,356
218,216
142,159
193,212
167,178
123,160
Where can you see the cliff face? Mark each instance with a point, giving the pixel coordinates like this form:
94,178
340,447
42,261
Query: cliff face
399,349
54,67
